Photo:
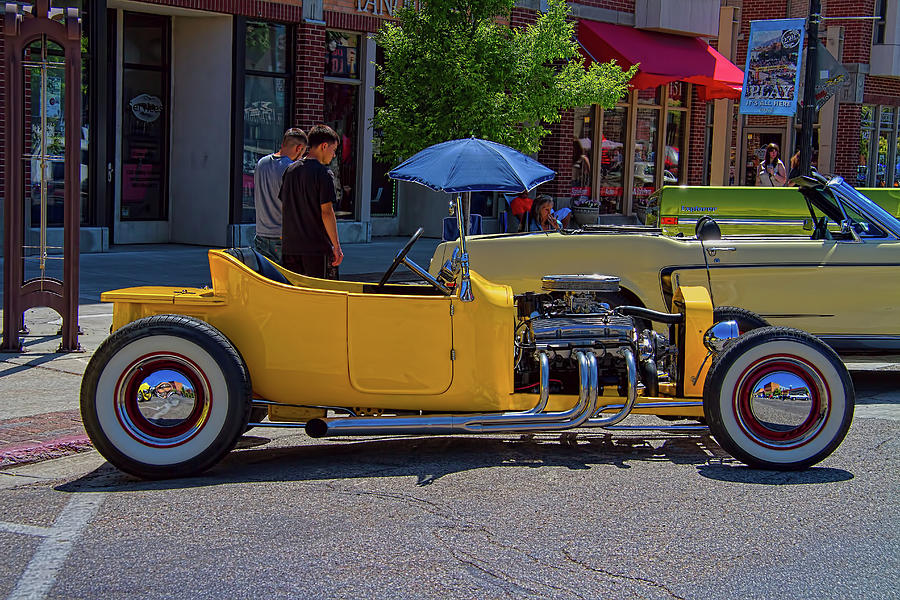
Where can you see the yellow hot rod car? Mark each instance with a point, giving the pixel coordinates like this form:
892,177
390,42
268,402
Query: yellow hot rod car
186,371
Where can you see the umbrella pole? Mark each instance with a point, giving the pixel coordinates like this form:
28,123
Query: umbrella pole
467,210
465,284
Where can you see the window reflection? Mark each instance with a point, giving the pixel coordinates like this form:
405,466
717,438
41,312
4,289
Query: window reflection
612,160
866,132
644,182
383,200
582,147
674,143
340,114
885,141
266,102
341,54
266,48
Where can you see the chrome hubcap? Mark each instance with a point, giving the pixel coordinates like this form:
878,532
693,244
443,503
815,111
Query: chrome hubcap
163,399
782,402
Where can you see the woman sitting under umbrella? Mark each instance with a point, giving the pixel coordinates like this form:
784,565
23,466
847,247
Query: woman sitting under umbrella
541,217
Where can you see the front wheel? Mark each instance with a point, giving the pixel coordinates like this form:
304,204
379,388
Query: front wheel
778,398
165,396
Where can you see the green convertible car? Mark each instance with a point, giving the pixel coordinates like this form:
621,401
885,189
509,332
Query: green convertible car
838,279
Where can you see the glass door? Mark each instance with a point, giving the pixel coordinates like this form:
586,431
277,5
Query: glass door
143,199
755,151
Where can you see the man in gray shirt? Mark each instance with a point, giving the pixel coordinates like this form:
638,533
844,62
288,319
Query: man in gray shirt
267,185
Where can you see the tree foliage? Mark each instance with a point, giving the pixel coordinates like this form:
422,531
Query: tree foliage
456,68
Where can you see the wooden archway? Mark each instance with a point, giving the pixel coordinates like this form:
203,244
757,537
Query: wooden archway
20,30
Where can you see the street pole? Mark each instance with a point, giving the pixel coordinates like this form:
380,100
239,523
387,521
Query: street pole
808,116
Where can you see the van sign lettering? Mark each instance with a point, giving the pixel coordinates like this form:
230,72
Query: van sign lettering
699,209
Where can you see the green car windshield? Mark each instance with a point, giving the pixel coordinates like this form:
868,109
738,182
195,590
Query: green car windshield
853,198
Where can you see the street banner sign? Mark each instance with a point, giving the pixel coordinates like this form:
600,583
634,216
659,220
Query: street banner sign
772,73
830,76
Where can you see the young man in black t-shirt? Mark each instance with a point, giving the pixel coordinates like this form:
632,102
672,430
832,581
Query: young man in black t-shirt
310,238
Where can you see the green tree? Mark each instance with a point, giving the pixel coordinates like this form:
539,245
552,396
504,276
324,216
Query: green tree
456,68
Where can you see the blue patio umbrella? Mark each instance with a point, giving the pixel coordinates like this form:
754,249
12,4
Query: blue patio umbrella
473,165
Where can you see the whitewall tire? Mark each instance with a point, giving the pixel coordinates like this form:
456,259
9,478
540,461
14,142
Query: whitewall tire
165,396
778,398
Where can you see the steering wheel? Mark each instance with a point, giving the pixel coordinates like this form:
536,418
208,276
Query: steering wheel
401,256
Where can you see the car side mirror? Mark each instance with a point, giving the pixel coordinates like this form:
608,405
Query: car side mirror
808,225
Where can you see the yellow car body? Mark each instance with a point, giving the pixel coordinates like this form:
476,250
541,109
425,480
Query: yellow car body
317,341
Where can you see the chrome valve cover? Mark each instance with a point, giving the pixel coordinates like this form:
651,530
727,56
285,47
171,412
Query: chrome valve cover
580,283
559,335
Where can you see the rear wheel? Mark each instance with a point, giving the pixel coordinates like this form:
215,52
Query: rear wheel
778,398
746,320
165,396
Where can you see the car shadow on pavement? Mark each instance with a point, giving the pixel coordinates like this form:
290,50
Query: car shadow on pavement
877,387
744,474
429,459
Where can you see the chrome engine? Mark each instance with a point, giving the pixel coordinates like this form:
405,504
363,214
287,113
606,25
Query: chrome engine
573,316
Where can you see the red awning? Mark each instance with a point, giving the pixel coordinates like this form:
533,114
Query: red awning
663,57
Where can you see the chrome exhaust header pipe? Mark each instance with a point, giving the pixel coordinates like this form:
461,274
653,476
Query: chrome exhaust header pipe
534,419
630,396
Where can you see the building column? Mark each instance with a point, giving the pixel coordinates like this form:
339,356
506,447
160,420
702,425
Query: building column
309,73
720,163
556,153
828,113
695,139
2,126
846,156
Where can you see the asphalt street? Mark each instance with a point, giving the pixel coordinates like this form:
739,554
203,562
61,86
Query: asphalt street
597,516
593,515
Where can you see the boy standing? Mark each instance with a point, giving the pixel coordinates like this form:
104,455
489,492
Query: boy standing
266,187
311,245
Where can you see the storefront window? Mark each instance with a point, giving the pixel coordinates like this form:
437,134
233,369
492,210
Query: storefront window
266,102
866,133
708,130
340,113
646,129
266,48
897,161
582,145
612,160
384,196
885,143
145,118
651,96
678,94
342,54
755,151
675,128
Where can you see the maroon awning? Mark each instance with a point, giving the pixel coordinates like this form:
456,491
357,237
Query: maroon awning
663,58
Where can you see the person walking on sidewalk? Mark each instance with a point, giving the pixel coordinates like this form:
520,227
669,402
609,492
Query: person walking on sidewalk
266,188
771,171
311,245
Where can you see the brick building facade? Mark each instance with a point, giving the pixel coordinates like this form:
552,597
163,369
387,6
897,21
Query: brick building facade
851,126
229,76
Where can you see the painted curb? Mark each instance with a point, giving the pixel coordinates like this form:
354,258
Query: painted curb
21,454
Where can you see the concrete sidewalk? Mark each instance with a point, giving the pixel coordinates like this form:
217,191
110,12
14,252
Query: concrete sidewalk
39,389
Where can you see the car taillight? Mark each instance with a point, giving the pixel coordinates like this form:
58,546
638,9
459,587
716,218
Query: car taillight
669,221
